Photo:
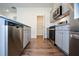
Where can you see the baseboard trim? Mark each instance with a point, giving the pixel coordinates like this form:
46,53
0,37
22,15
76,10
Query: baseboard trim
33,38
62,51
45,38
36,38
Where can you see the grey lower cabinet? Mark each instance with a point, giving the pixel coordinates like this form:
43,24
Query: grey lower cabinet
62,38
66,42
26,35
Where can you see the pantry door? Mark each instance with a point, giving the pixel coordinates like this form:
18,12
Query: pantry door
40,26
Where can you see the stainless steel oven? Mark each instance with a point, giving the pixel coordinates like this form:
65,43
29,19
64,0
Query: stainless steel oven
51,34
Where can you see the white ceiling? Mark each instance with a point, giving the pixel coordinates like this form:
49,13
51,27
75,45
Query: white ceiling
4,6
26,4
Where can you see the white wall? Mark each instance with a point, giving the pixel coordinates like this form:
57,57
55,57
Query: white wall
28,16
10,15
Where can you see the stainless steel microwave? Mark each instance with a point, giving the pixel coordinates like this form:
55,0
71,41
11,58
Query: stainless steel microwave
57,12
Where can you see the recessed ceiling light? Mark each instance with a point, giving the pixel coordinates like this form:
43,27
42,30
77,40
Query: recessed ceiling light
7,10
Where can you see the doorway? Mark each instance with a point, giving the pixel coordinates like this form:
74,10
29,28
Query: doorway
40,27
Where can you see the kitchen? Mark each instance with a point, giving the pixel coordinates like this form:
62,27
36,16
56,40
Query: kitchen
18,29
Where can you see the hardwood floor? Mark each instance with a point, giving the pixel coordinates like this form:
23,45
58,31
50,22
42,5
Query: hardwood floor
41,47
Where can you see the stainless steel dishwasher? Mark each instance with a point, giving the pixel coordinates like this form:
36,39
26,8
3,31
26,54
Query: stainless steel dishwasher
14,39
74,44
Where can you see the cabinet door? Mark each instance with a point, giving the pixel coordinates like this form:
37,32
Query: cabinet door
60,40
24,37
27,36
66,41
58,36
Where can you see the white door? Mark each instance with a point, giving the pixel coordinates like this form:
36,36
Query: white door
40,25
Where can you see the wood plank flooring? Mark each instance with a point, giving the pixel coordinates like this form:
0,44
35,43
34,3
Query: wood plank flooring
41,47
